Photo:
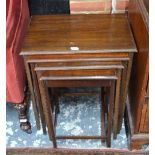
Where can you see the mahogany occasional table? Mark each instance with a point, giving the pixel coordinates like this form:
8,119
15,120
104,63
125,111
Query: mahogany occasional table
73,40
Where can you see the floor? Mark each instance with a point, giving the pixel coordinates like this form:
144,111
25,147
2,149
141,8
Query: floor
79,115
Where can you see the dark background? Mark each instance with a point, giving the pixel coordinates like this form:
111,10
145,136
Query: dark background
45,7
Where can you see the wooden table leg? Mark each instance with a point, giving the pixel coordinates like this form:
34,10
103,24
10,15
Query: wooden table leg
55,103
57,106
106,100
117,102
48,111
103,106
35,110
122,95
110,113
121,113
40,108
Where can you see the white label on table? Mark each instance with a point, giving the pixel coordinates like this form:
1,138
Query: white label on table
74,48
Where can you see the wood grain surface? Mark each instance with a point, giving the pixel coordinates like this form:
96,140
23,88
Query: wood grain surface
78,33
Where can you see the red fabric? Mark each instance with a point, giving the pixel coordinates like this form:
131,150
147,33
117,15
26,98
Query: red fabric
16,25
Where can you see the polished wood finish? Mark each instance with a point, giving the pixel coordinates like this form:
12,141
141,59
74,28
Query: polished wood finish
78,73
139,78
38,98
138,88
35,109
72,34
79,63
124,93
61,82
117,103
74,55
90,62
72,49
135,140
84,73
71,62
103,112
48,111
110,112
81,137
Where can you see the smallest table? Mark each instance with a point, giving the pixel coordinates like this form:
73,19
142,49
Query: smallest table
77,81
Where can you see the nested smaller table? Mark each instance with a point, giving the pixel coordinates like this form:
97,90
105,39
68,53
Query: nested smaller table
82,63
77,81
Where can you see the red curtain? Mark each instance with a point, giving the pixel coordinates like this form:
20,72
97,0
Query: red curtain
16,26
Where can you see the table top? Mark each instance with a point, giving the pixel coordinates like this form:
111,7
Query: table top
59,34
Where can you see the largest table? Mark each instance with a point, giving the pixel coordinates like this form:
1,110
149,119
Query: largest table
78,38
